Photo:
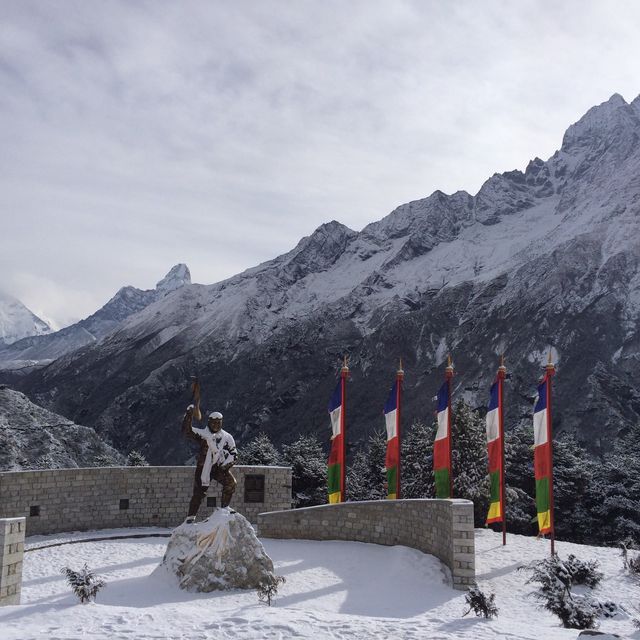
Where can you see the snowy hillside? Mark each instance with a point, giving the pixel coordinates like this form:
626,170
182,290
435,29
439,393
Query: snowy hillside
333,590
16,321
545,257
33,438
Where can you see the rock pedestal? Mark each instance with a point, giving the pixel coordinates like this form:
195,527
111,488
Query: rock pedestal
220,553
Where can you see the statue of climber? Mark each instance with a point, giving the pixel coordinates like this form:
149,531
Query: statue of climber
216,457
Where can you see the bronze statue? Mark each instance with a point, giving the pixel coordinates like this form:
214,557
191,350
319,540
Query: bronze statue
216,456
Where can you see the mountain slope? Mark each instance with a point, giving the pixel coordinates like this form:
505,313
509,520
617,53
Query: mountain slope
33,438
36,350
16,321
548,256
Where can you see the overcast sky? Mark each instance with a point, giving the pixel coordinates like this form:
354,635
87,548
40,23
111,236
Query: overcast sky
137,135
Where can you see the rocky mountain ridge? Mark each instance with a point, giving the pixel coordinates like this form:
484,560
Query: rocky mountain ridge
34,351
547,257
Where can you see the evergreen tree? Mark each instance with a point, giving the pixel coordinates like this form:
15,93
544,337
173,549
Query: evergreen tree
469,460
573,479
417,461
260,451
136,459
366,473
309,471
520,483
105,460
614,498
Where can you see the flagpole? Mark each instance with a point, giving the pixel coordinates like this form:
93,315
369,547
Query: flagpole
550,371
344,372
399,378
448,374
502,373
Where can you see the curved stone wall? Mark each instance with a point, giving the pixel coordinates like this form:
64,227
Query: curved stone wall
56,500
443,528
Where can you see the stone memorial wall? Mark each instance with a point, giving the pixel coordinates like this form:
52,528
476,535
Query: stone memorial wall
443,528
57,500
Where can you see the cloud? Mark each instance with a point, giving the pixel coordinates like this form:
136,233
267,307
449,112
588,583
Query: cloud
138,135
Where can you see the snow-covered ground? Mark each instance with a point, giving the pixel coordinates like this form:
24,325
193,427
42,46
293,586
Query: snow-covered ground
333,590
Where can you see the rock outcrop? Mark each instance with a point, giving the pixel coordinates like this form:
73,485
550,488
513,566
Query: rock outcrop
220,553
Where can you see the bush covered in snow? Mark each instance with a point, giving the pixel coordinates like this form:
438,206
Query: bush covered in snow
556,577
268,588
481,603
84,583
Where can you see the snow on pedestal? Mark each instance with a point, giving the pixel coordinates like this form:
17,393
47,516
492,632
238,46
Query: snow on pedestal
220,553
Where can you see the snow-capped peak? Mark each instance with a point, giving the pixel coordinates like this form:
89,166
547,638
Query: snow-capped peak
16,321
177,277
600,121
323,247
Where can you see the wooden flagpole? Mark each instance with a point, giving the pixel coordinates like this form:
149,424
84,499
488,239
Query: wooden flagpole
502,374
448,374
344,372
550,371
399,378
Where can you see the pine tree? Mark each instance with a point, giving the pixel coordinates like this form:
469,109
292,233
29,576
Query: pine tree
614,498
469,460
136,459
105,460
573,479
366,472
358,485
84,583
309,471
417,461
520,484
260,451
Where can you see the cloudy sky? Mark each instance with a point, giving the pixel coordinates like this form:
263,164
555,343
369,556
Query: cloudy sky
136,135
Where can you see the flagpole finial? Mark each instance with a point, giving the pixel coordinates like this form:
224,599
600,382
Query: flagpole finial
502,370
345,366
400,371
550,366
449,370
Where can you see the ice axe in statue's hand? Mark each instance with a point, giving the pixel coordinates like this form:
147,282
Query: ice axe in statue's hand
195,398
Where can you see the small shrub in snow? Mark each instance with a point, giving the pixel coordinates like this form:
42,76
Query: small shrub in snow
553,572
481,603
583,572
268,588
575,612
84,583
556,577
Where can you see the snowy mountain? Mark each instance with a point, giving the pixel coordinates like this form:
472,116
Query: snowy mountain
16,321
33,438
546,257
36,350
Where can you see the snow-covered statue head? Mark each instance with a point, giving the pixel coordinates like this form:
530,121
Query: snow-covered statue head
214,422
